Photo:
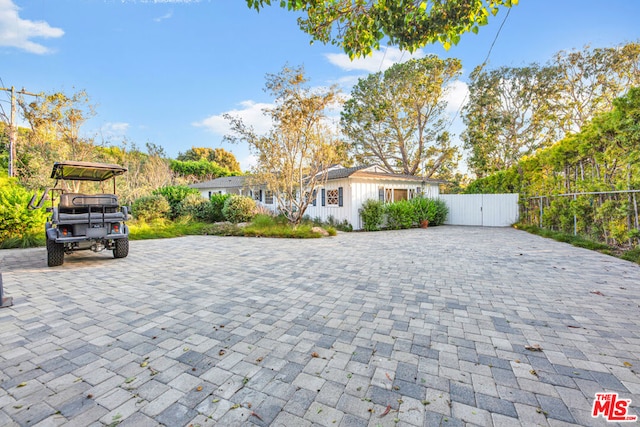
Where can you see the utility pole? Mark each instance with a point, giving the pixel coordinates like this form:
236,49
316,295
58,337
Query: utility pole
13,127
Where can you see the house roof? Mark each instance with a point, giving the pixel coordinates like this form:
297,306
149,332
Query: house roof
365,171
344,172
222,182
374,172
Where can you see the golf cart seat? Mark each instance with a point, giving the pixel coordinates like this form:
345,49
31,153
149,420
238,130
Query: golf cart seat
94,207
79,203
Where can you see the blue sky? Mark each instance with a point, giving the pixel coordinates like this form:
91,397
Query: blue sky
165,71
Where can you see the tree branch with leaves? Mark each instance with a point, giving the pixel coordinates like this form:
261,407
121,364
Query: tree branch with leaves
358,26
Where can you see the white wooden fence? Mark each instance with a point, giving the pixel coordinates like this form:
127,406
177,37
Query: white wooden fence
488,210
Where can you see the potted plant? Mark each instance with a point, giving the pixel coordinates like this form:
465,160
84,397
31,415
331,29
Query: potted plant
421,211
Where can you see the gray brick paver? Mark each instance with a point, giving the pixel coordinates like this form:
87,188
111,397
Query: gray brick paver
445,322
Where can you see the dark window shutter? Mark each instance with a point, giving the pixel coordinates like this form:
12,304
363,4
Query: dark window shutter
315,194
339,196
260,197
381,194
323,201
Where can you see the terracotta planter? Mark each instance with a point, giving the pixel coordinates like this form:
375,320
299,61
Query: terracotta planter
424,223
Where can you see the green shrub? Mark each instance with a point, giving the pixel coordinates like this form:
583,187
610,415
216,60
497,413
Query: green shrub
372,213
558,215
174,195
438,212
262,220
421,208
17,221
217,204
238,209
400,214
196,207
150,208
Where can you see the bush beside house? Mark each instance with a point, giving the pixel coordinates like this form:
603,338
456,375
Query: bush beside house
402,214
239,209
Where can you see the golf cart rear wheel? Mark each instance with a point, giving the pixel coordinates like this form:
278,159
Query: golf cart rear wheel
55,253
121,248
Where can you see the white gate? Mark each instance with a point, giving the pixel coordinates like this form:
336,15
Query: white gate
489,210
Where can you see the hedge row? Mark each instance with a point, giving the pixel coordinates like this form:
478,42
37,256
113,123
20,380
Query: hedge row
180,201
402,214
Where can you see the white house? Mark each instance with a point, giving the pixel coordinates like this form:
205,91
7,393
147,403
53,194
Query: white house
343,194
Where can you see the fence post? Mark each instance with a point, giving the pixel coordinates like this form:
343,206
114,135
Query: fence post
4,302
575,220
540,204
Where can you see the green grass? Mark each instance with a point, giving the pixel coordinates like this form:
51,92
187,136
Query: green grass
31,240
261,226
632,255
160,229
266,226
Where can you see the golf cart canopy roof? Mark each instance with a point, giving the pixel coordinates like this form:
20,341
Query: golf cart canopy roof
85,171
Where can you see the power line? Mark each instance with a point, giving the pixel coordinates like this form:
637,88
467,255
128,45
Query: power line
486,61
496,37
383,57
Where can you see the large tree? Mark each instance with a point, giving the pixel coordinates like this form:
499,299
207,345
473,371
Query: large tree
507,116
358,26
589,80
397,118
292,158
54,135
220,156
512,112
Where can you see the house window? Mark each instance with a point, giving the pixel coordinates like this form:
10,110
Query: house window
268,197
257,195
388,195
332,197
309,197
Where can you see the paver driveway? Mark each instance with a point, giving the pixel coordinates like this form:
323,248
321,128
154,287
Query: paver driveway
415,327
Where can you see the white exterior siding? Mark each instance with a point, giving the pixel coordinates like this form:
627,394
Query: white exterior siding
339,213
356,192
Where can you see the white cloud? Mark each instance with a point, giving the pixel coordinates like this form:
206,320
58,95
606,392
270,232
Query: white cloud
111,131
379,60
18,32
165,16
250,112
457,95
248,162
